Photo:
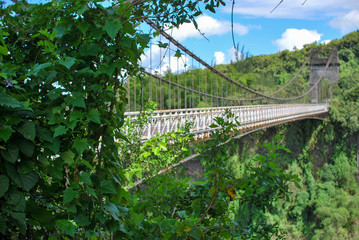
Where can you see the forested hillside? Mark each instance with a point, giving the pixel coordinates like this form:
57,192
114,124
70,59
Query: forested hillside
268,71
324,205
323,154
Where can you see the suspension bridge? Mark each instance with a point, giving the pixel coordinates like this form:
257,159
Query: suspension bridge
187,89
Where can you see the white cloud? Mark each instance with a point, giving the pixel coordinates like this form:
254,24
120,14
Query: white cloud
220,57
295,9
297,38
208,26
347,23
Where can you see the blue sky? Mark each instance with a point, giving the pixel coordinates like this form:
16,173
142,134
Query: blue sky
261,32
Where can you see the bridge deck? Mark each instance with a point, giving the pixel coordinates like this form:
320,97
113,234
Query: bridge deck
250,117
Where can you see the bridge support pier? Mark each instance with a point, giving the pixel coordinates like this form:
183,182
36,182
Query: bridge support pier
318,70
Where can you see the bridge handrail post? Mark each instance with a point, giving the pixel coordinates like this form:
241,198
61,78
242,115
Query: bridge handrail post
149,129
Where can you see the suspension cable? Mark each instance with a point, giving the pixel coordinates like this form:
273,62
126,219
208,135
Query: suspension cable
289,82
176,43
185,88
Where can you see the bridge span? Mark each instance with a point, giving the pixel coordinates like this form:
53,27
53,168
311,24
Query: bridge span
179,92
249,117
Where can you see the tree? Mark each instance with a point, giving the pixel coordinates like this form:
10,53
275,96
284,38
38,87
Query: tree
344,106
63,66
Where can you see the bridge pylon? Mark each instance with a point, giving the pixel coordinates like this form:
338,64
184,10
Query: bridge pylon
318,69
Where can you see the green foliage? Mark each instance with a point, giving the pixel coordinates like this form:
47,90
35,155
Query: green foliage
62,97
261,183
323,205
166,207
129,150
344,107
63,65
159,153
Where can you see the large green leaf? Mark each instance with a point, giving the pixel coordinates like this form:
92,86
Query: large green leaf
83,27
66,226
90,191
195,234
55,169
77,100
112,28
89,50
68,157
17,199
86,70
28,130
19,216
4,50
156,150
25,181
29,180
67,62
60,30
69,195
26,147
94,116
85,178
44,134
60,130
107,187
8,101
44,162
38,67
76,115
82,9
115,210
4,184
5,133
163,146
80,145
82,220
3,221
54,145
11,153
106,69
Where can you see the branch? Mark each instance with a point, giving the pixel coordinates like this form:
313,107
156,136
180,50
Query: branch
133,3
210,205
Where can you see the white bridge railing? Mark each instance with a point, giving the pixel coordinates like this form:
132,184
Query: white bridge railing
255,116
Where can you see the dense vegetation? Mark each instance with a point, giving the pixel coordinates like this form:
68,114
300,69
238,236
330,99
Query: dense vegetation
324,154
323,205
67,169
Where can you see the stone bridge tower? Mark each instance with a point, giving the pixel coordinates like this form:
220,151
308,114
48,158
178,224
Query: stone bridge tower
317,70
